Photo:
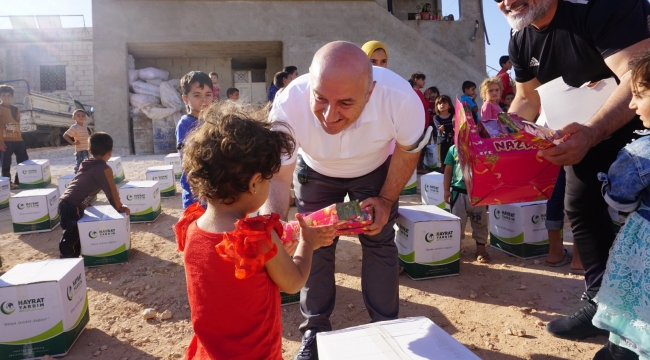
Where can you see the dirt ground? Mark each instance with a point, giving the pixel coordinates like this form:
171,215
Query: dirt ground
154,278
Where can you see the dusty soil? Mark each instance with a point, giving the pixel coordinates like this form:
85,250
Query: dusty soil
154,278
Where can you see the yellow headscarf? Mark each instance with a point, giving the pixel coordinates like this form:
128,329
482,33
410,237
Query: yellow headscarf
371,46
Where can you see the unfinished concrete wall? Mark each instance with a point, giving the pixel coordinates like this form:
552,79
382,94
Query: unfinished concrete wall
24,51
306,27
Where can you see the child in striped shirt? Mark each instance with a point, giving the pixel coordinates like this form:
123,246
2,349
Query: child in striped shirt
77,135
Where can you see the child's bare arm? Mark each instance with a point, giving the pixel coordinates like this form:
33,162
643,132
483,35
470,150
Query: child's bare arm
291,274
68,139
447,186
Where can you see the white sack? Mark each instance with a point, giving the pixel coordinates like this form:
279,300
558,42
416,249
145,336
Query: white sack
141,87
176,83
130,63
156,82
157,112
133,76
141,100
177,117
170,97
151,73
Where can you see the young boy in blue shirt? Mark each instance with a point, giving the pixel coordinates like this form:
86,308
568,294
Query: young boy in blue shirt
197,96
469,94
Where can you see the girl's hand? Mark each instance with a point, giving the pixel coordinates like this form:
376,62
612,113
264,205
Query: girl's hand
290,246
316,236
76,142
441,128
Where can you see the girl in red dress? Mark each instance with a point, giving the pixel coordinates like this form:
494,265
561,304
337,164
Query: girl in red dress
235,265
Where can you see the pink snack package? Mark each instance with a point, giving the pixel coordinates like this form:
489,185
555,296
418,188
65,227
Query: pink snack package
349,218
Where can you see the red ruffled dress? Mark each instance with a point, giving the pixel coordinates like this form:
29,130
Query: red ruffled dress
235,304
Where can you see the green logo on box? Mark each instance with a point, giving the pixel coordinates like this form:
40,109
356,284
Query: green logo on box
20,206
535,219
92,234
129,197
429,237
7,308
497,214
69,293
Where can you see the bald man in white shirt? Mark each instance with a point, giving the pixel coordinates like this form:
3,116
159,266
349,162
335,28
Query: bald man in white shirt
344,115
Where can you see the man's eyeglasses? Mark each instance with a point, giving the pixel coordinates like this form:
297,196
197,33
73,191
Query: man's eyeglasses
498,1
302,173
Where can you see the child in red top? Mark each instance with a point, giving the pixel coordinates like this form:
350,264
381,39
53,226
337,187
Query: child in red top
235,266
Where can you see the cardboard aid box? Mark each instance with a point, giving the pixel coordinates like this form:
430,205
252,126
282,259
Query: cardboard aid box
174,159
118,171
65,181
428,241
44,308
416,338
433,190
105,236
5,192
35,210
430,160
34,174
411,187
165,177
143,199
519,229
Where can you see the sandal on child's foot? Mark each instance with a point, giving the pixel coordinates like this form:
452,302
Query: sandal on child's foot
482,256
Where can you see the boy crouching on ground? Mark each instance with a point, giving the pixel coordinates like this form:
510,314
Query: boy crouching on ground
93,175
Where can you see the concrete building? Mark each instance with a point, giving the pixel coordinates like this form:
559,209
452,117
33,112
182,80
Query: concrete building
246,42
49,59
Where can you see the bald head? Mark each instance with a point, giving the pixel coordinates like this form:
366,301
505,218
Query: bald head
341,60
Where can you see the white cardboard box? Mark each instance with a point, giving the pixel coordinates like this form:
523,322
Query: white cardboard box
143,199
433,190
174,159
118,171
415,338
34,174
105,236
557,96
5,192
430,160
165,176
35,210
411,187
519,229
428,241
44,308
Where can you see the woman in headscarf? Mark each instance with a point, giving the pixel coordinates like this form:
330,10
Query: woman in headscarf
377,53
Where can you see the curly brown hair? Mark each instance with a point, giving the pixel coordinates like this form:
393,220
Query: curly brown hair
232,143
640,68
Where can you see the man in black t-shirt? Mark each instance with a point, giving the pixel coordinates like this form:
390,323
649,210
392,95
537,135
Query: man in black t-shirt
580,41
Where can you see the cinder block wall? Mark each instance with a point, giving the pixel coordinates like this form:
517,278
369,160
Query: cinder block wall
24,51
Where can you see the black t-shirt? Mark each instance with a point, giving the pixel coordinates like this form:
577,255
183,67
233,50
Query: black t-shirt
582,34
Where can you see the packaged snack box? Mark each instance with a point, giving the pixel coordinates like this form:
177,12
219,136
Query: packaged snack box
411,187
35,210
519,229
118,171
428,241
165,176
105,236
34,174
501,170
143,199
5,192
44,308
433,191
174,159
